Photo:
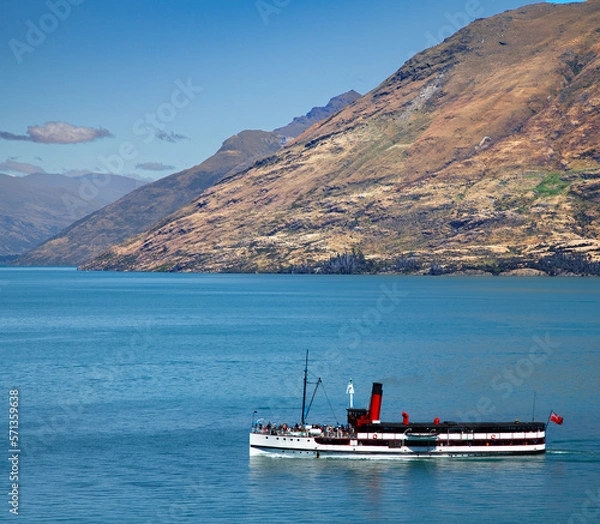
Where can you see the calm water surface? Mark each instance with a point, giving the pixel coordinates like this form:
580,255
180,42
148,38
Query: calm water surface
137,391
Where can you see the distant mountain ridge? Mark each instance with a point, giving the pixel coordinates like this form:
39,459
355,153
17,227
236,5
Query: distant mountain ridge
479,154
142,208
300,124
37,206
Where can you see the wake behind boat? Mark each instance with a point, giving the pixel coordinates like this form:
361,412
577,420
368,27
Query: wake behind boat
366,436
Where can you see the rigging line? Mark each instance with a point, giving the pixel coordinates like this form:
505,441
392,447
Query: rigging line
313,396
329,402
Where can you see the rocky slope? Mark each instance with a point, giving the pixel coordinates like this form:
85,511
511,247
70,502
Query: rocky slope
482,152
36,207
141,209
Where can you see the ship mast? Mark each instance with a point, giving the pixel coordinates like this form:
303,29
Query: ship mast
304,392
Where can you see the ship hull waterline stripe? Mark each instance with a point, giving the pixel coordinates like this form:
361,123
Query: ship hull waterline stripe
275,450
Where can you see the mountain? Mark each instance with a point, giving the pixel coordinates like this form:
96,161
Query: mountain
35,207
316,114
480,154
141,209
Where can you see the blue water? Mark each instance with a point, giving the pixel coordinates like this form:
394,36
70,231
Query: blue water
137,391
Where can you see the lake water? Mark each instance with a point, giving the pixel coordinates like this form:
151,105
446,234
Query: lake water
136,393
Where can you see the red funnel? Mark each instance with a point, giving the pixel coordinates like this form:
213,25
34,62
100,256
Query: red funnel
375,407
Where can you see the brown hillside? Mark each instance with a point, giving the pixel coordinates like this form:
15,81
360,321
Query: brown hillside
141,209
484,148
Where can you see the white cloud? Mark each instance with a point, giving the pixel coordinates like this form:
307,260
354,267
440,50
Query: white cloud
58,133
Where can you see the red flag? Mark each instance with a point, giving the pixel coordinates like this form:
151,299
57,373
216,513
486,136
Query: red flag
557,419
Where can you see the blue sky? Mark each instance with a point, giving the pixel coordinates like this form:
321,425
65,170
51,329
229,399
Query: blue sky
150,87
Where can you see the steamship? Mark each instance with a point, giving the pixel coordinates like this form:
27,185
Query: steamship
366,436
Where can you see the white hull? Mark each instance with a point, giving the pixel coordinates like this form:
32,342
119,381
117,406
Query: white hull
390,447
367,437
